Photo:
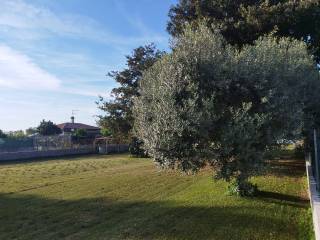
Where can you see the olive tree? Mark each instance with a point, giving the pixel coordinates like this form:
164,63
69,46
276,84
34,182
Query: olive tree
207,103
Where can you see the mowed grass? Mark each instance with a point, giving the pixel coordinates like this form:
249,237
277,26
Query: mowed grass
119,197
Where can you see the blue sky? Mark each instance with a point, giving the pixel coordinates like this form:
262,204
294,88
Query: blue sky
55,54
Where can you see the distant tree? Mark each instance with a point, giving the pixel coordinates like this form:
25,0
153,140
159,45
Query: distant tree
207,103
47,128
118,112
2,134
80,133
31,130
16,134
105,132
244,21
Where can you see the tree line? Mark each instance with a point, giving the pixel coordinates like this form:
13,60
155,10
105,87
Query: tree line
46,128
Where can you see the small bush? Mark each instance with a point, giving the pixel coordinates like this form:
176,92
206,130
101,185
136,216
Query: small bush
135,148
244,189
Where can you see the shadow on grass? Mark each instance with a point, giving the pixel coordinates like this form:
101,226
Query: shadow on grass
32,217
285,168
77,157
45,159
283,199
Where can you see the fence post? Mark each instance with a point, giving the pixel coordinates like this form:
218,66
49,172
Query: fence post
316,159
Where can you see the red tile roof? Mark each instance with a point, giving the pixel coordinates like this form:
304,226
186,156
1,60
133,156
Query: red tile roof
76,126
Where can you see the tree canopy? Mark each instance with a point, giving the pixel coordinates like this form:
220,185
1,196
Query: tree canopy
209,103
80,133
2,134
47,128
118,118
244,21
105,132
31,130
16,134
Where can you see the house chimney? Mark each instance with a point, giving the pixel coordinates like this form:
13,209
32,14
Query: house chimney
72,119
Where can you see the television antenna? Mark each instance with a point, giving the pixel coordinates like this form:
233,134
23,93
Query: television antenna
73,112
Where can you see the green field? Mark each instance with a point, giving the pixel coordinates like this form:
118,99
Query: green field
118,197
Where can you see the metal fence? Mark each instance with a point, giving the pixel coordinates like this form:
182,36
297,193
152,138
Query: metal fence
13,156
41,143
44,143
16,144
50,146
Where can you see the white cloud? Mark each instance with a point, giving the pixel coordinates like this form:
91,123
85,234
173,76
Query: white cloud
132,19
72,65
22,24
20,72
18,15
85,90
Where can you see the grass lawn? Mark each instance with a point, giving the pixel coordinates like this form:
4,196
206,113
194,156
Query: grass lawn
118,197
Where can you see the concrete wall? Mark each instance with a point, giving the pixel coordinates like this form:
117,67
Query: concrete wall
112,148
42,154
314,199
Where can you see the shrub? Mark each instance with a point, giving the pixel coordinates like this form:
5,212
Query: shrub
136,149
